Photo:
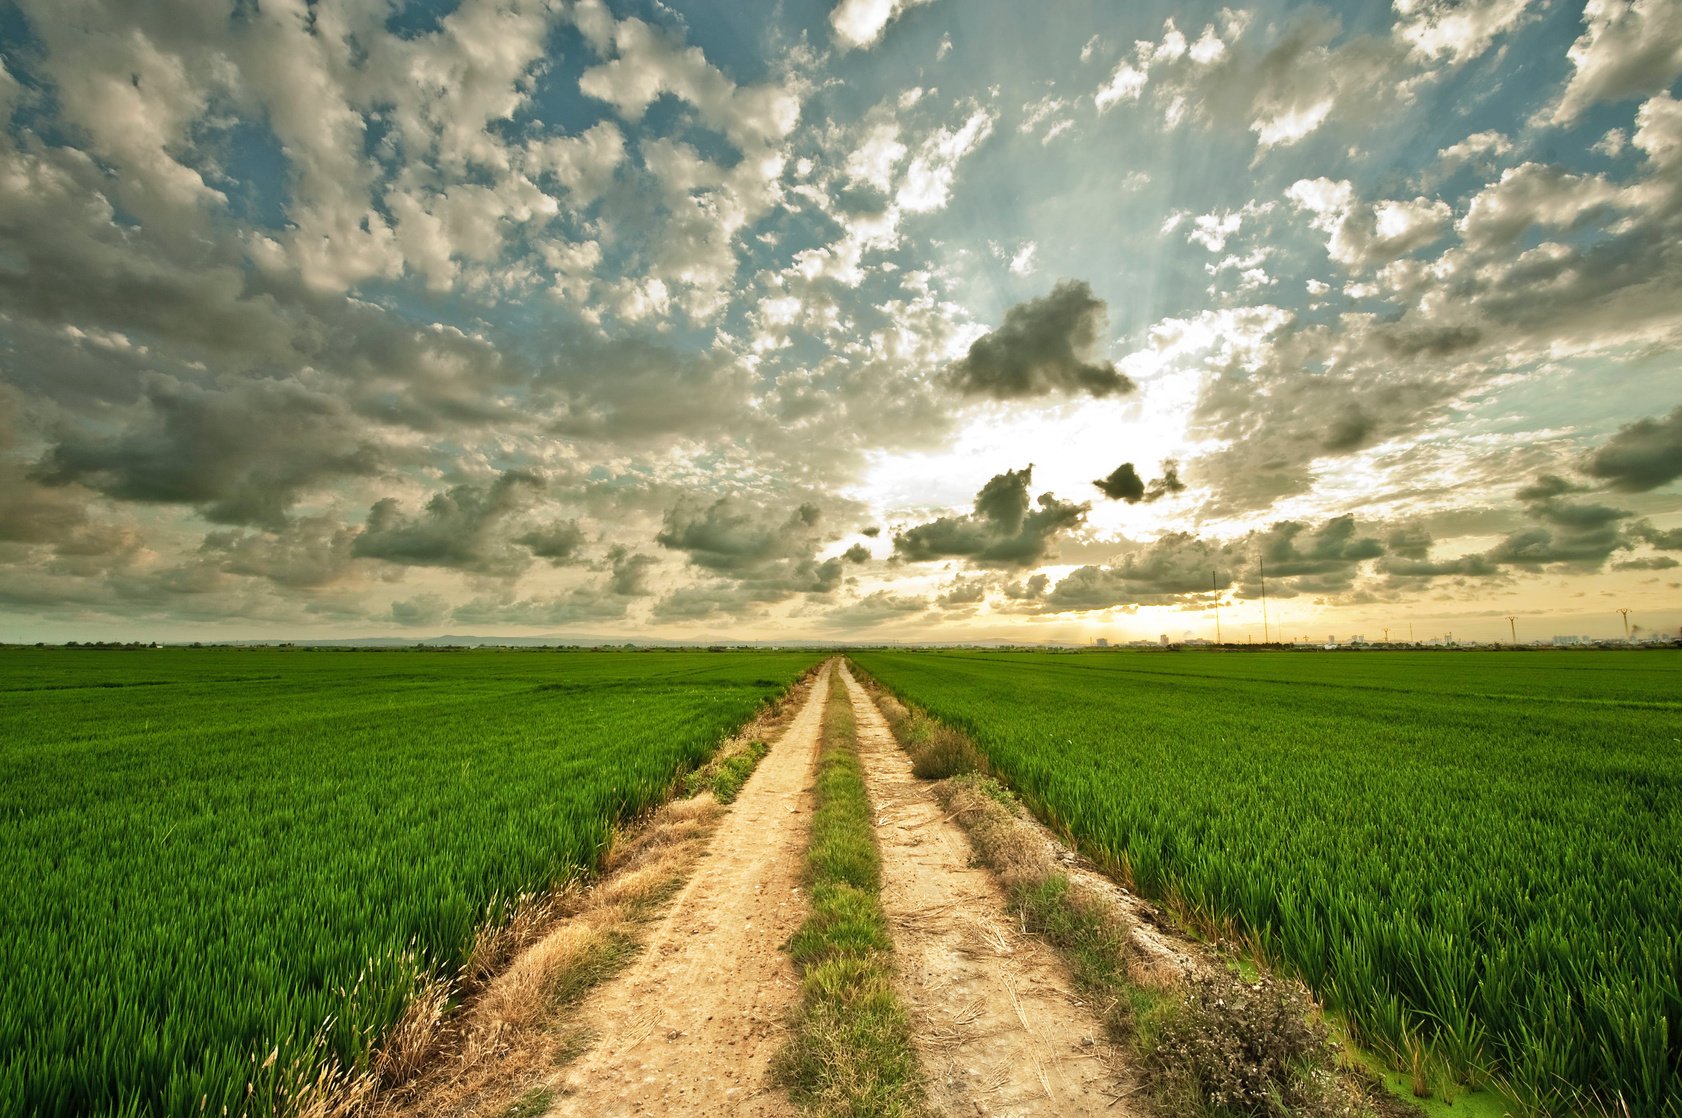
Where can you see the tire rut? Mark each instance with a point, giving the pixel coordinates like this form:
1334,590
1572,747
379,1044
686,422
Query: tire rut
1000,1028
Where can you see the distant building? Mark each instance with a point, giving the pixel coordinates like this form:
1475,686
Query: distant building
1102,642
1164,639
1570,640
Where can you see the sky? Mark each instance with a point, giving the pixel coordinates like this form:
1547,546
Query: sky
933,320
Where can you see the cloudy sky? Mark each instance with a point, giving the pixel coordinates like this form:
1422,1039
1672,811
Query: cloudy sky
910,319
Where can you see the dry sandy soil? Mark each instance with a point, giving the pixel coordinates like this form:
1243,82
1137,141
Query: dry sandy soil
691,1026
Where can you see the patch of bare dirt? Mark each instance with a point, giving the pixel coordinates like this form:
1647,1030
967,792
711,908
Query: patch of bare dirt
512,1040
692,1026
1000,1028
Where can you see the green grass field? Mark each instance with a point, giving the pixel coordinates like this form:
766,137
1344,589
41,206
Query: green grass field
1480,852
212,855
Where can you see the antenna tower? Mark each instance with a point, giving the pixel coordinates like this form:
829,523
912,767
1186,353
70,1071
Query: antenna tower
1215,587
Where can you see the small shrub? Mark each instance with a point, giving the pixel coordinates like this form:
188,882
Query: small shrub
1244,1048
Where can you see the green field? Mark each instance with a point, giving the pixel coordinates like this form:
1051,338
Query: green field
214,854
1480,851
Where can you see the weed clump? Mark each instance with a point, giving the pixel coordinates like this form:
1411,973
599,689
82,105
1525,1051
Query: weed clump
937,751
850,1052
1246,1048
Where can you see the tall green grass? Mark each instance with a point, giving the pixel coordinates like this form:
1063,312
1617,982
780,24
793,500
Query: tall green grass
1482,852
223,868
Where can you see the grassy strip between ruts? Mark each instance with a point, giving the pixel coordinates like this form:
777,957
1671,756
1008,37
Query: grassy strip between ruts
1217,1041
850,1050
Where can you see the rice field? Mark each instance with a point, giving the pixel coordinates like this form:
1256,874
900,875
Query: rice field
1478,856
224,868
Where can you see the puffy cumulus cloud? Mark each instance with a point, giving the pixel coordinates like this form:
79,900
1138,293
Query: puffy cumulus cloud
1628,48
878,608
1458,30
1366,235
1554,262
240,455
707,601
962,594
1530,195
649,63
1281,81
1124,484
1296,394
1007,528
1182,568
422,609
860,23
629,572
1043,346
462,528
768,554
1641,456
560,542
310,551
1476,148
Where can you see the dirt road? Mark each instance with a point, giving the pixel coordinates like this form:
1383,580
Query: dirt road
691,1027
999,1027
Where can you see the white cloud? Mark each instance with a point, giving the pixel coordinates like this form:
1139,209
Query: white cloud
873,161
928,180
1628,48
860,23
1281,81
1456,30
1125,84
1532,194
650,63
1363,235
1474,148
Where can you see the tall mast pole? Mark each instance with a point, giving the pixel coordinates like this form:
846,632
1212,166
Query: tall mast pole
1262,563
1215,588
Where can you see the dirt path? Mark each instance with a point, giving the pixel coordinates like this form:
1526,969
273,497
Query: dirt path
999,1027
691,1027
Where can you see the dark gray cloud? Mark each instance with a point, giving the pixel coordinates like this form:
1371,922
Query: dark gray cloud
770,555
963,593
423,609
630,572
1574,534
560,542
1006,529
1045,345
240,455
858,553
1664,540
1125,484
308,552
1642,456
1181,567
1031,589
1647,563
460,528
